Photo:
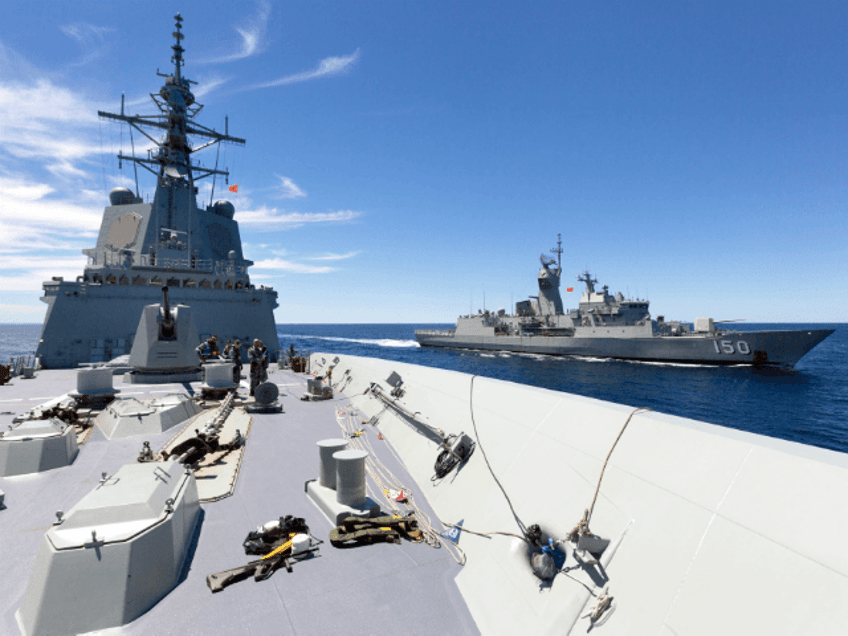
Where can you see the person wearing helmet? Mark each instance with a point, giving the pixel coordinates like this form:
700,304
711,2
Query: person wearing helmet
234,355
258,357
208,350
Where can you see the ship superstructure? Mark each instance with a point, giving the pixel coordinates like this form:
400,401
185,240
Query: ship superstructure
142,246
610,326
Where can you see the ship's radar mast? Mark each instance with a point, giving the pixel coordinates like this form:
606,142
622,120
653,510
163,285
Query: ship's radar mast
558,251
586,277
171,163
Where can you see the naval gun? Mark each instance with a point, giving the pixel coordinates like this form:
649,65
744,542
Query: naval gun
167,324
163,349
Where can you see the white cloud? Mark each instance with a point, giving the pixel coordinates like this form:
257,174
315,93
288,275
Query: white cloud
288,189
252,38
44,121
327,67
333,257
289,220
279,264
90,38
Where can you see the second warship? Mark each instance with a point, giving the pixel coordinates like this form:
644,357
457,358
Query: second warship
608,326
142,246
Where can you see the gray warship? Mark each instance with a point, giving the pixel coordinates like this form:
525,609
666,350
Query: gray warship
142,246
607,326
116,516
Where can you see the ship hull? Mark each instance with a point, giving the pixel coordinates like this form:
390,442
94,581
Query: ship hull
766,348
88,322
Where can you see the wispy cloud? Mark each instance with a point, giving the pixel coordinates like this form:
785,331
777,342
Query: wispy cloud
43,120
252,37
290,220
279,264
332,257
91,38
288,189
327,67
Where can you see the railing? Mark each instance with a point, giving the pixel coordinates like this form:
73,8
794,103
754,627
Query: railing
435,332
126,260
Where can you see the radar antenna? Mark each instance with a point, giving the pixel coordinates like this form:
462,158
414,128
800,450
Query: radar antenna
177,108
558,250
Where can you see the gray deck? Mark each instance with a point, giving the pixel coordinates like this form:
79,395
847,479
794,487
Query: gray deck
371,589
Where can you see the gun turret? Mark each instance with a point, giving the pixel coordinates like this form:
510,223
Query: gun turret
166,326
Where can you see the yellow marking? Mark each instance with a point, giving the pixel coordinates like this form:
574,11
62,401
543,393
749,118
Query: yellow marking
282,548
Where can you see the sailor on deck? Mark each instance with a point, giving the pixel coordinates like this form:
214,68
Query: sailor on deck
234,355
208,350
258,357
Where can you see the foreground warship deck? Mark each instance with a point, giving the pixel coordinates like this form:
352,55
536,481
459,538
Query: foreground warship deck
381,588
711,530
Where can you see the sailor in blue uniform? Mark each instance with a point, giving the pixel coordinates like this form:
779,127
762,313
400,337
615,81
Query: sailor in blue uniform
208,350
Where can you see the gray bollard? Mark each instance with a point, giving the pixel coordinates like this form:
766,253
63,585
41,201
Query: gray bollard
350,477
327,468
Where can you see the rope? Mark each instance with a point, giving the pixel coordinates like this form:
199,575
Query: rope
588,516
386,480
521,525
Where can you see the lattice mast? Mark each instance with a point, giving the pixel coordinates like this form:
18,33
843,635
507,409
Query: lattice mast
171,161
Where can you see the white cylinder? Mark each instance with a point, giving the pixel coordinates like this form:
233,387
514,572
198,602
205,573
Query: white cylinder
219,374
300,544
94,381
350,477
327,469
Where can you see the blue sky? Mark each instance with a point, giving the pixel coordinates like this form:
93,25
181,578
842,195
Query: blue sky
404,159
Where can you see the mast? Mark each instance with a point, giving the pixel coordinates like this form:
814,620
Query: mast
558,251
171,163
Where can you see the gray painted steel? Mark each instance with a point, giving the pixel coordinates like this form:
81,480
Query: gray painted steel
37,445
608,326
194,250
115,554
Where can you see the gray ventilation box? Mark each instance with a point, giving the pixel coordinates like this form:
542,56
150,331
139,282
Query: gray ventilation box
36,445
115,554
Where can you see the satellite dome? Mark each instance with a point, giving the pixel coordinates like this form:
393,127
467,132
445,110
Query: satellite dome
121,196
224,208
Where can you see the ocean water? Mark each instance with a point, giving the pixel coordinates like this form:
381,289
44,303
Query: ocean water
807,404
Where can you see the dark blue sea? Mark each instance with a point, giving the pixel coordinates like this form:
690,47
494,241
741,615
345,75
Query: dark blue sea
808,404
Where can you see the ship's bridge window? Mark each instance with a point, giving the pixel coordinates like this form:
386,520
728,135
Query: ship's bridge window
173,282
139,280
205,284
217,284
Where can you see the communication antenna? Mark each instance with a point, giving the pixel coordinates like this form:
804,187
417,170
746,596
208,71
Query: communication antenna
558,251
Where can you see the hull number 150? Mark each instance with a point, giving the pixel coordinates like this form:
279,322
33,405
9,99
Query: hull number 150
727,347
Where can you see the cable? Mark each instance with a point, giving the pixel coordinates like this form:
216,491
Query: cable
604,467
521,525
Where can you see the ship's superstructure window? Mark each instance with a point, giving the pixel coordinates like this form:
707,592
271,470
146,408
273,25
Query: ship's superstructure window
217,284
139,280
205,284
124,280
173,282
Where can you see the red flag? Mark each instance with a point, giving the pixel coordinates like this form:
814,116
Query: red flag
234,188
569,289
